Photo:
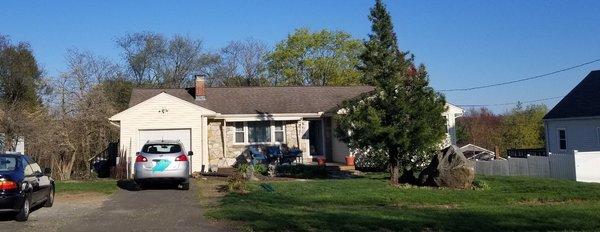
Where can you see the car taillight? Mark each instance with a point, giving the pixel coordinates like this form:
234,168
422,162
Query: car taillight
7,185
181,157
140,158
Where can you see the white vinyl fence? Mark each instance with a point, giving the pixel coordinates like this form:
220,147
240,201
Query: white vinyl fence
587,166
580,166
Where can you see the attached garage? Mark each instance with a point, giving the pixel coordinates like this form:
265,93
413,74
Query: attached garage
183,135
164,117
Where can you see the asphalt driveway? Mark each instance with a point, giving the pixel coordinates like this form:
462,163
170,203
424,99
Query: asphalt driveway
156,209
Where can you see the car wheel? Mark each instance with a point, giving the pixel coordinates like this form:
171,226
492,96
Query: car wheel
50,199
184,186
23,214
140,185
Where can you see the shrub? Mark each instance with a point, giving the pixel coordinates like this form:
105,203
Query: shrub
261,169
371,160
302,171
480,185
236,183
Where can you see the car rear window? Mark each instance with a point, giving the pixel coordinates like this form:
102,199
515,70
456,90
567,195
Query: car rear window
161,148
7,163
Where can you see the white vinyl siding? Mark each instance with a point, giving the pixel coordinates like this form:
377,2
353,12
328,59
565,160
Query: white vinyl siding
582,134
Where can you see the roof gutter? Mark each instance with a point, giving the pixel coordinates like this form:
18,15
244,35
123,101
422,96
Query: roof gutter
114,123
571,118
268,117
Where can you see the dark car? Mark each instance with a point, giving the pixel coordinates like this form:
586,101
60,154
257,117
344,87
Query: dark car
23,185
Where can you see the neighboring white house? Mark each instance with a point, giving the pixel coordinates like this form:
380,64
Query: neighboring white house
20,146
574,123
219,124
451,114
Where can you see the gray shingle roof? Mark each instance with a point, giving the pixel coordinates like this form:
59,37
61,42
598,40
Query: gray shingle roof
582,101
253,100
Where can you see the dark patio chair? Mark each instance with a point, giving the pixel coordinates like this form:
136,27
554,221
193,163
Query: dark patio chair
293,155
274,154
257,156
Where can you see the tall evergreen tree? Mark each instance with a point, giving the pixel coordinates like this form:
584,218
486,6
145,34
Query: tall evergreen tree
20,75
403,116
20,81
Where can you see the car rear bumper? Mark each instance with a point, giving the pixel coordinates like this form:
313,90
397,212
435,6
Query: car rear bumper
10,203
142,173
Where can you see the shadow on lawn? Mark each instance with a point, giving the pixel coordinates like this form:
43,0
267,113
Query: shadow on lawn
283,214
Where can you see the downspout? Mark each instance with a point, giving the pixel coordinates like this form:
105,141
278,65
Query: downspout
128,161
298,134
223,140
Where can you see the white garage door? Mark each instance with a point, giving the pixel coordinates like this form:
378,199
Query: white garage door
183,135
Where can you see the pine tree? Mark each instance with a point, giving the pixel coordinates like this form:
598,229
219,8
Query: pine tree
403,115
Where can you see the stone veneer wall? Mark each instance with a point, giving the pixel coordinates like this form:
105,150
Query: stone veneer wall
220,156
215,142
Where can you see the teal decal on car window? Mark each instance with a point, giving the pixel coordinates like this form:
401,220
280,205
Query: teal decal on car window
161,166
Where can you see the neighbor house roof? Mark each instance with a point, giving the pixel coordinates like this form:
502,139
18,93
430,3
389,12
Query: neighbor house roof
253,100
582,101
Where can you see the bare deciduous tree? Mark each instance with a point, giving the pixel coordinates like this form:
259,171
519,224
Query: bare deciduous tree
240,63
156,60
77,126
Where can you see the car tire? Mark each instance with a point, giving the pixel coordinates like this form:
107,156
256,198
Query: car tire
140,185
50,198
23,213
185,185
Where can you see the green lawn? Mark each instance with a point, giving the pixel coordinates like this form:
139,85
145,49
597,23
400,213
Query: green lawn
98,186
370,204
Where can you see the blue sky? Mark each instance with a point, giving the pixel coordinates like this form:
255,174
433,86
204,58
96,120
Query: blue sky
463,43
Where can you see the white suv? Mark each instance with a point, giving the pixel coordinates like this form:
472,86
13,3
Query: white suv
163,160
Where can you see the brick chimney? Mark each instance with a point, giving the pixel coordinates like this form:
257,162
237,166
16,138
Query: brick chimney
200,88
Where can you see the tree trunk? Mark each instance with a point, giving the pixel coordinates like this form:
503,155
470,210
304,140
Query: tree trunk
394,173
394,167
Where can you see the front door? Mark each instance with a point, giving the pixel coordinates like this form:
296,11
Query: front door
315,138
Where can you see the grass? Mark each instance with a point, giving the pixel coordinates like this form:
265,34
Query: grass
97,186
370,204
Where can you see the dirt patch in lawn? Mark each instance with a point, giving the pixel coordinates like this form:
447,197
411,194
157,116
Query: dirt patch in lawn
81,198
212,189
425,206
542,201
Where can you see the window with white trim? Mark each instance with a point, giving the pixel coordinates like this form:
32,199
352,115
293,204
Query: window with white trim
562,139
279,132
259,132
240,132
